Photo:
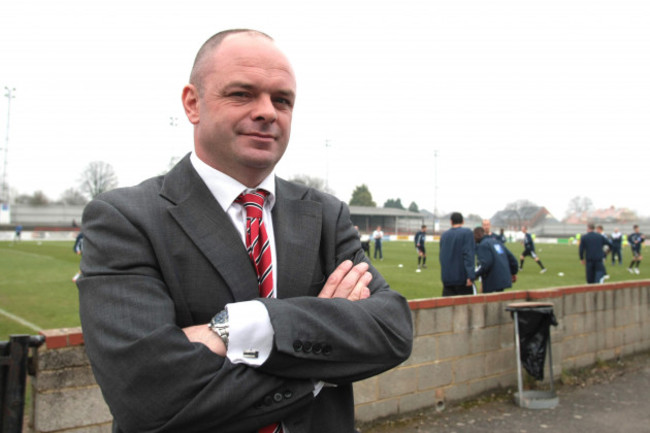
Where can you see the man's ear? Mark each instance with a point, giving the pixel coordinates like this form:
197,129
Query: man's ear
191,103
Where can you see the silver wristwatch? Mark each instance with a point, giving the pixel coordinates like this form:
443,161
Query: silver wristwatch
220,325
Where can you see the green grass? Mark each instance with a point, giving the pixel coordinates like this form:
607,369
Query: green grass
36,285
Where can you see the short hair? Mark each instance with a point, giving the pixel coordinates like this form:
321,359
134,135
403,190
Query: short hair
480,231
591,226
423,226
456,218
599,227
636,226
196,76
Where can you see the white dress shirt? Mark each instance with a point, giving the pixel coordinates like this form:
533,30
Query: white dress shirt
251,331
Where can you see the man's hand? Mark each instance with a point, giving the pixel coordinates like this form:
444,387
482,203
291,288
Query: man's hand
513,278
348,281
582,261
203,334
468,283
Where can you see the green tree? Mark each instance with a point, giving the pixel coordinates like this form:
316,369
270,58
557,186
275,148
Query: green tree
514,215
394,203
361,197
413,207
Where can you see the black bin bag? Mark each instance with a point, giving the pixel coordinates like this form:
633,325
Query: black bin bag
534,333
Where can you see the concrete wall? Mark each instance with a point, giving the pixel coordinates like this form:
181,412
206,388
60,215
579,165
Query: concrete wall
50,215
464,346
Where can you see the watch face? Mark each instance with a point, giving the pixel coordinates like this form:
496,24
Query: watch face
222,317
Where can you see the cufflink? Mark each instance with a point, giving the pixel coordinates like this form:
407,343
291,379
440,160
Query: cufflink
251,354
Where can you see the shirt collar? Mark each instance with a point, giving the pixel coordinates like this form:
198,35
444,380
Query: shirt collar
224,188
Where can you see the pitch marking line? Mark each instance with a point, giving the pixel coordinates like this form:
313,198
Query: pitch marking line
20,320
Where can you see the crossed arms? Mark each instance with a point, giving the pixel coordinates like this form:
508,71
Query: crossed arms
145,303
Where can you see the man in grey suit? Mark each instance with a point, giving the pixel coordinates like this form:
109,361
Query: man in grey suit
178,337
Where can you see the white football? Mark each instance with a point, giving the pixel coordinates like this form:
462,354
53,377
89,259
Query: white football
561,274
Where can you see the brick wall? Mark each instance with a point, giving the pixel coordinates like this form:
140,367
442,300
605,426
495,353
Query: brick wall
65,396
463,347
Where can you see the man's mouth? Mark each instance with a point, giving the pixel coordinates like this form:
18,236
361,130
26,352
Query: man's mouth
258,136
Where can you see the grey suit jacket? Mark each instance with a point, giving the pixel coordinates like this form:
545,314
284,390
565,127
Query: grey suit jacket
163,255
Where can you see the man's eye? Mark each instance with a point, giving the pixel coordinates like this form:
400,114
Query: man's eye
283,101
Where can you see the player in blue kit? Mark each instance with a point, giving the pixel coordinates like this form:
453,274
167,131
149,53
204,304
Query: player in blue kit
457,249
635,240
592,253
497,267
529,250
420,239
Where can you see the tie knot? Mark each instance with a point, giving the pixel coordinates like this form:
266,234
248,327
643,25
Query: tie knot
253,202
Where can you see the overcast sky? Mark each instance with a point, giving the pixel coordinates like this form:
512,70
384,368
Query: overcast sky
539,100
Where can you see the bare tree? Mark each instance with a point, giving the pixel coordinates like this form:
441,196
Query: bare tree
98,177
73,196
579,205
312,182
172,162
37,199
514,215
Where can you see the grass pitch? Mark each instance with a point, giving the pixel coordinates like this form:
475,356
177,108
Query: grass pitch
36,286
36,278
561,260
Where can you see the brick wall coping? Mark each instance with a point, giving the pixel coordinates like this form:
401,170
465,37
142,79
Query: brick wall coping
63,337
522,295
66,337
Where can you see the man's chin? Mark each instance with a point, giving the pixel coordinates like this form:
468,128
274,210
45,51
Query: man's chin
261,159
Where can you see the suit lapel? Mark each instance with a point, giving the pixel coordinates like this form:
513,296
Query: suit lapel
203,220
296,226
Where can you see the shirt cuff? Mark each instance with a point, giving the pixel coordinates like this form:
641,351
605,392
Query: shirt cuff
250,339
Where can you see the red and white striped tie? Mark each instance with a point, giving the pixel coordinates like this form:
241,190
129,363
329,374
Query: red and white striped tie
259,250
257,241
273,428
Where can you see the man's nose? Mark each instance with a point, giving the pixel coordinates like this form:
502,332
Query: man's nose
264,109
